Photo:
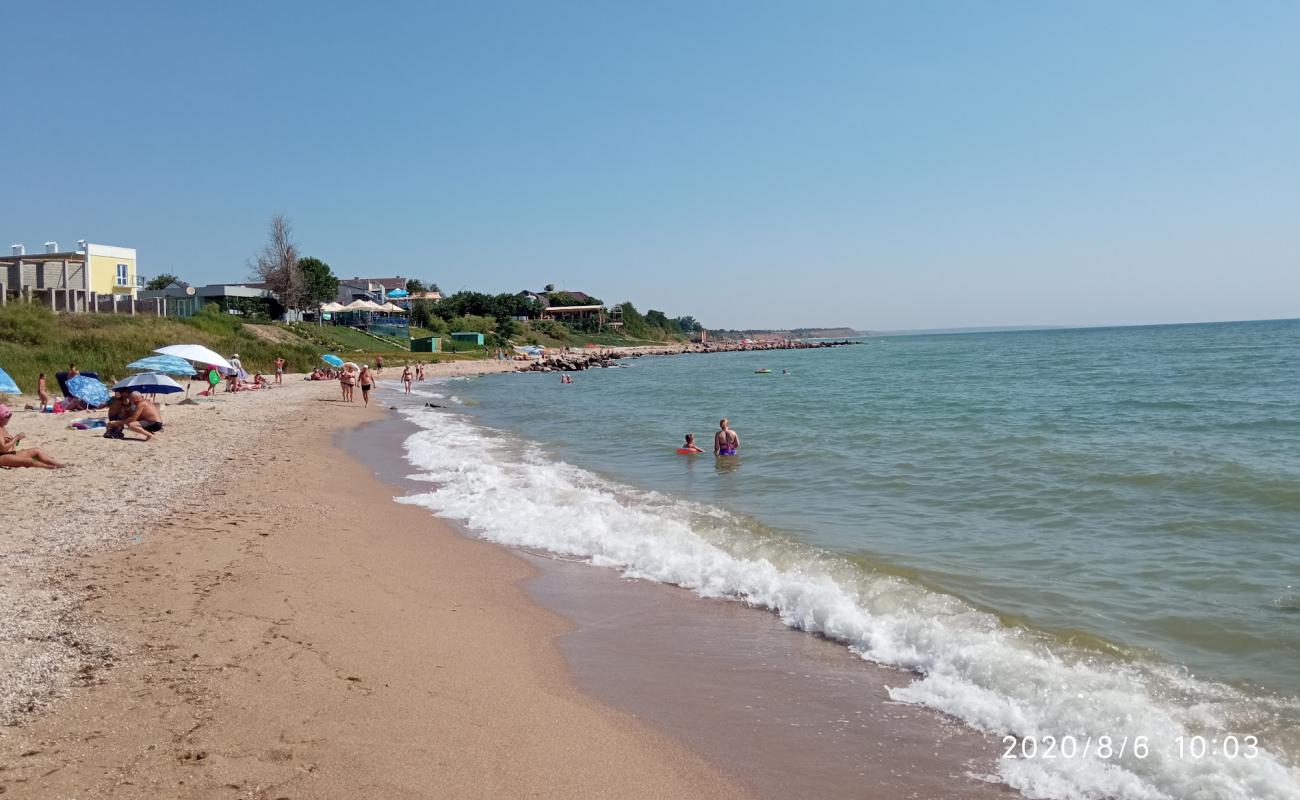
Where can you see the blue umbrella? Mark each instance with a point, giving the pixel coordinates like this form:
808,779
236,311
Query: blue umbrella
88,390
332,360
166,365
7,385
149,383
399,293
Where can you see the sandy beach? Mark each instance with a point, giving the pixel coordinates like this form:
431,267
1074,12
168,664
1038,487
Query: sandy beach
288,631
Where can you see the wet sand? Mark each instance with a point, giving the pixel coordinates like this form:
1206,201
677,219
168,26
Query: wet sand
302,636
795,715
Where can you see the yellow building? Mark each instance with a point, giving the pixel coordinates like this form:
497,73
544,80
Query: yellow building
111,269
74,280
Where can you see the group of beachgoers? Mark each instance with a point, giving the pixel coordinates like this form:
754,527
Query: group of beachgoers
726,442
350,376
238,380
129,411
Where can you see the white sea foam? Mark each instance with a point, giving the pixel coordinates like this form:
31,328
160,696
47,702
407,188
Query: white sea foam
966,663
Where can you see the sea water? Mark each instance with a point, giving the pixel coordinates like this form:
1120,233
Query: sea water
1084,533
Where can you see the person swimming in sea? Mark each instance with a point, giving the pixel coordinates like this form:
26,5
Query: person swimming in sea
726,441
690,447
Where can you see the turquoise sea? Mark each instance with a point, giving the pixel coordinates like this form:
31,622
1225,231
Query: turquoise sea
1060,532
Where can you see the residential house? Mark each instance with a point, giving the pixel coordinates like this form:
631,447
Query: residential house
69,280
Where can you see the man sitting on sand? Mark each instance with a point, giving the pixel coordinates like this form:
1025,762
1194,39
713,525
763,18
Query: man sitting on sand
11,456
136,414
726,441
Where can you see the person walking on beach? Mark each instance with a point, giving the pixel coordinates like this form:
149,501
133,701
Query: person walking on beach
346,381
406,378
367,381
726,441
41,391
279,371
379,363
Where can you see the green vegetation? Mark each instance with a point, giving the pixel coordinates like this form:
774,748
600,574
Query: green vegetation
34,340
318,282
341,340
161,281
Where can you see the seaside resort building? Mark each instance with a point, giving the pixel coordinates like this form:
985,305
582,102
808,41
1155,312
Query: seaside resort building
94,277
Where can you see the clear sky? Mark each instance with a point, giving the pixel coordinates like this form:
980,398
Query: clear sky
767,164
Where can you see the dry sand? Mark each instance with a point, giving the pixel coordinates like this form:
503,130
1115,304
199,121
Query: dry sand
295,634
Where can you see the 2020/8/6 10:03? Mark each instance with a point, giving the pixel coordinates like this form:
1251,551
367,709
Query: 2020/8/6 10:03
1117,747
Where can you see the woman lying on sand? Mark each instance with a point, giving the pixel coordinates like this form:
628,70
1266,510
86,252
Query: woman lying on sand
11,456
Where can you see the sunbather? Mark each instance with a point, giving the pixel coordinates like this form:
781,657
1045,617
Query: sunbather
11,456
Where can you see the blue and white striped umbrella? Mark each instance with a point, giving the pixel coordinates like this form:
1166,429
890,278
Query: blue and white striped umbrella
88,390
7,385
149,383
166,365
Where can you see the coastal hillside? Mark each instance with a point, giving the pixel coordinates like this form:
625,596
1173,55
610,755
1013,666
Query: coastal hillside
34,339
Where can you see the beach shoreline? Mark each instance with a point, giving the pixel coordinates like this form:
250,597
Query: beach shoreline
311,638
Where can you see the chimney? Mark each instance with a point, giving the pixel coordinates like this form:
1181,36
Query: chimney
18,249
51,247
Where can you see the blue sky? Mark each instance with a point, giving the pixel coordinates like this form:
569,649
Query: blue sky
900,165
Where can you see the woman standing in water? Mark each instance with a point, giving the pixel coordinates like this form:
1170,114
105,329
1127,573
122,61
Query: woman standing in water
406,378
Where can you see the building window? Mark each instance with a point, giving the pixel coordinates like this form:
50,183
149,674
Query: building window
121,275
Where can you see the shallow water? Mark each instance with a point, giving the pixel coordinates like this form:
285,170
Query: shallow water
1027,519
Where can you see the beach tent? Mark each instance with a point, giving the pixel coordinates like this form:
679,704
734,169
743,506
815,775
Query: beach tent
370,305
332,307
7,385
196,353
358,305
392,309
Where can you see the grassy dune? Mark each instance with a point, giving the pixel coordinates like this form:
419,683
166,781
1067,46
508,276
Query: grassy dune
34,340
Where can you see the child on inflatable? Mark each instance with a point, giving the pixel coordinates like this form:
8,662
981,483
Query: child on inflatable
690,447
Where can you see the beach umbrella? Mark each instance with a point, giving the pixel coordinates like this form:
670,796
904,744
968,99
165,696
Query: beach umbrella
351,367
7,385
167,365
88,390
399,293
332,360
149,383
196,352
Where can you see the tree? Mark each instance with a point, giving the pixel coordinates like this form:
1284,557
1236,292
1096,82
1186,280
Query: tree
414,286
660,320
318,282
688,324
277,264
550,287
159,282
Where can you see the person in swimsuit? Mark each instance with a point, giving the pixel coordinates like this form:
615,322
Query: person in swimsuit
367,381
279,371
726,441
11,456
347,380
406,378
690,446
41,392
